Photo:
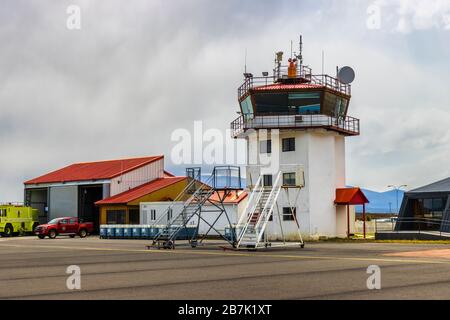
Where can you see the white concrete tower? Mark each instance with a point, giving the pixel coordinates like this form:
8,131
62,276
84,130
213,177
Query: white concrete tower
296,123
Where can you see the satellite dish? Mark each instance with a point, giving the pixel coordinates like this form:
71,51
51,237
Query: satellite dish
346,75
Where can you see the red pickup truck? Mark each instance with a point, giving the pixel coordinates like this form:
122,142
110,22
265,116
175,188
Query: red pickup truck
67,226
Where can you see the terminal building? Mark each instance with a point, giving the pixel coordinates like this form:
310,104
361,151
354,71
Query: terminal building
426,209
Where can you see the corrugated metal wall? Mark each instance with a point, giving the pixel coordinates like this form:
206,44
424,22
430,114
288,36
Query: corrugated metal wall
137,177
63,202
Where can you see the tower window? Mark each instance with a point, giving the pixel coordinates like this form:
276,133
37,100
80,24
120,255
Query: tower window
289,179
265,146
267,180
289,213
288,144
287,103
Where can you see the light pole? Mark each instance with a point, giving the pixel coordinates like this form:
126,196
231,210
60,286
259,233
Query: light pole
397,189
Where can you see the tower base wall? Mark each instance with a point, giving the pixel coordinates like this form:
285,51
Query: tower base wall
322,155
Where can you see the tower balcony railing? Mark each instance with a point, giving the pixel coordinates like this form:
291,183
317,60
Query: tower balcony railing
304,75
348,126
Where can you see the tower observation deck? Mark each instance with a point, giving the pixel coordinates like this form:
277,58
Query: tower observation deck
293,98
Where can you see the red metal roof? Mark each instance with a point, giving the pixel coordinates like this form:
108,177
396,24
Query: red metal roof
167,174
89,171
288,86
350,196
232,198
143,190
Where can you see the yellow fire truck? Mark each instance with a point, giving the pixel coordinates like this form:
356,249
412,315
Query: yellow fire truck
17,219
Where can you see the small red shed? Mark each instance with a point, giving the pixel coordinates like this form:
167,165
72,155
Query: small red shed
352,196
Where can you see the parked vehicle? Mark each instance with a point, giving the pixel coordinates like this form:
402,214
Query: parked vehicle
67,226
387,220
17,219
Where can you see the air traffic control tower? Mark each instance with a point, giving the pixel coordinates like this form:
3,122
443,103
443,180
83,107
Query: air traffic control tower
295,124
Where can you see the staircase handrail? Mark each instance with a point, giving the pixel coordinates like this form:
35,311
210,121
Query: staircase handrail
267,211
276,186
187,203
249,202
250,213
178,198
175,231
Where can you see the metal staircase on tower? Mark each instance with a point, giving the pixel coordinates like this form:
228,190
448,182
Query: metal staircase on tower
251,228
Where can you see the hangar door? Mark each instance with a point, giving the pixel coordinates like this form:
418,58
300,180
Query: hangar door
63,202
87,210
37,199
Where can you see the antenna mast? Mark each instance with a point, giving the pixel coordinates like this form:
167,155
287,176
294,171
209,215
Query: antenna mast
323,61
291,49
300,54
245,61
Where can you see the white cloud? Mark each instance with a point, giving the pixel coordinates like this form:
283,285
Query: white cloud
136,72
405,16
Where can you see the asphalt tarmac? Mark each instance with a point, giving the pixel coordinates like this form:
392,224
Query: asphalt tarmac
124,269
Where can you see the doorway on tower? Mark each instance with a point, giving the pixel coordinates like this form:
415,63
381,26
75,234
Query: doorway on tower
267,180
87,210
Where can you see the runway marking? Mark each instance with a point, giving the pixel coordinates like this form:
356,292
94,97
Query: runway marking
240,254
434,253
16,238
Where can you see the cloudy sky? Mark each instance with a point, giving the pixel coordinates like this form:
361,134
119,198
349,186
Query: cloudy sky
138,70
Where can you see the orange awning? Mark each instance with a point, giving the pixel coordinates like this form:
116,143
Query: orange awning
350,196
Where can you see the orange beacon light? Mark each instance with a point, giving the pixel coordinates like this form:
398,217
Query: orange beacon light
292,69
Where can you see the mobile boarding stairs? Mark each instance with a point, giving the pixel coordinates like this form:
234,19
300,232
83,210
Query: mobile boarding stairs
222,181
262,204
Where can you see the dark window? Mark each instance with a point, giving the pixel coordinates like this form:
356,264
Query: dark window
432,208
289,179
169,214
64,221
288,103
265,146
73,221
288,144
289,213
247,108
153,214
267,180
334,105
116,217
133,216
271,217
